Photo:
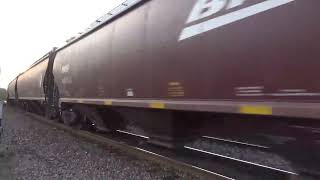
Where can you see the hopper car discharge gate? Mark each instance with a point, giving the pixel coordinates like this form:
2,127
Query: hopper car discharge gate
50,89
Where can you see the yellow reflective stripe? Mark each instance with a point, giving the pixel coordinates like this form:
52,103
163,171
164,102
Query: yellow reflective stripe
258,110
107,103
157,105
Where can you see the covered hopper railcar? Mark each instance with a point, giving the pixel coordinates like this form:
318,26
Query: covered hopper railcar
146,55
176,70
30,86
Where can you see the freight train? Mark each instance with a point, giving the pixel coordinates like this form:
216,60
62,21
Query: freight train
176,70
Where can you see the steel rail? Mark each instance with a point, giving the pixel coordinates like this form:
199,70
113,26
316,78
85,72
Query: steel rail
236,142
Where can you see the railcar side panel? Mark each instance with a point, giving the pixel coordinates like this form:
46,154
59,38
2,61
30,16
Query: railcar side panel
164,23
83,70
220,61
290,52
141,55
130,63
30,83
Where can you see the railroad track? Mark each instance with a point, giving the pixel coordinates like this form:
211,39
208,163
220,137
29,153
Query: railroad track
203,164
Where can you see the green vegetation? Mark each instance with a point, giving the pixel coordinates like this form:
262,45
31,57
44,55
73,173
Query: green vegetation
3,94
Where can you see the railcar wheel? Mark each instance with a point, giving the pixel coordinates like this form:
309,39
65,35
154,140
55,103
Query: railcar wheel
26,107
70,118
86,124
51,113
90,119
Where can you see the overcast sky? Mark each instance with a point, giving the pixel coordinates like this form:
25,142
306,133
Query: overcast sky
29,29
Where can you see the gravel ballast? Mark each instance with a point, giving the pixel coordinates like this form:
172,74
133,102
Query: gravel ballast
33,150
244,153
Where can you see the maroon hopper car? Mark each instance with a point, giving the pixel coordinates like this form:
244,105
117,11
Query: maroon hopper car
157,55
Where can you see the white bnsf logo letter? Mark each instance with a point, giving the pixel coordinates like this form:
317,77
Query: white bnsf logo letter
206,8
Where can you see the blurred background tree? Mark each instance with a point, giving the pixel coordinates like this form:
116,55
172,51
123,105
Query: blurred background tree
3,94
